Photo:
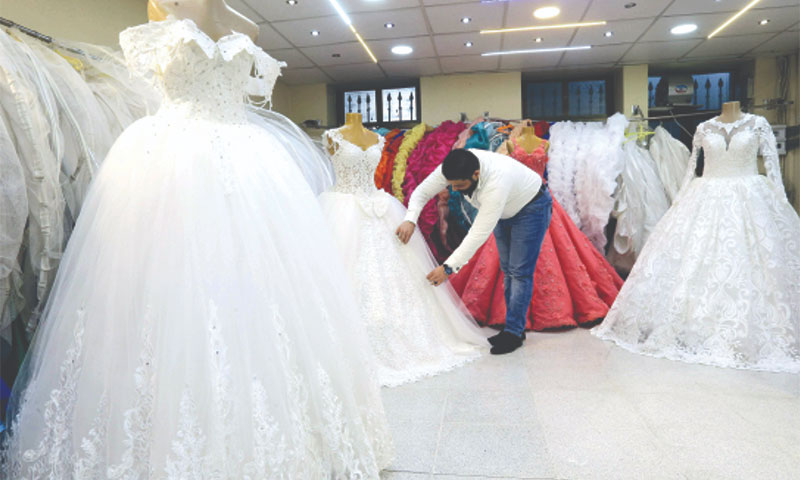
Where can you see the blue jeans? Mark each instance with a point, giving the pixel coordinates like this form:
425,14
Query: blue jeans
519,240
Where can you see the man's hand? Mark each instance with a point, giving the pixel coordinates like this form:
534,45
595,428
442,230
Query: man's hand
438,276
405,230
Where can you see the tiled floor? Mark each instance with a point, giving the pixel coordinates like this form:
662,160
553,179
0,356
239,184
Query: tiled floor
570,406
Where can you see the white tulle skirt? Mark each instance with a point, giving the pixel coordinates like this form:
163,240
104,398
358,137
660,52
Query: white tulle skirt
718,281
415,329
200,325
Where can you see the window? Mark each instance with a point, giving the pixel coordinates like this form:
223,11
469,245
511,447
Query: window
567,99
711,90
393,105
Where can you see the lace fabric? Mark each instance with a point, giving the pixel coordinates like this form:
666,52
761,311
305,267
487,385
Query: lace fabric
182,339
415,330
718,281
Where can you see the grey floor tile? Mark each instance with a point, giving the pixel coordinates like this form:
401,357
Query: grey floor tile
404,404
516,451
508,408
395,475
415,446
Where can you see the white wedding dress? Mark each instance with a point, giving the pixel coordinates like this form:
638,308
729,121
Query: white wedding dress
718,282
415,329
200,326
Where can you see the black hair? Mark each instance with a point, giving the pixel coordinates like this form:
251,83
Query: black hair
460,164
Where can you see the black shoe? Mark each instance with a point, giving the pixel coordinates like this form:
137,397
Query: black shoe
493,338
506,343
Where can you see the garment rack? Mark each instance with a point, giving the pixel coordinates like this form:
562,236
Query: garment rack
40,36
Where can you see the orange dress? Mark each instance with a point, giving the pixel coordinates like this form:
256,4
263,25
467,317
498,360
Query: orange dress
573,283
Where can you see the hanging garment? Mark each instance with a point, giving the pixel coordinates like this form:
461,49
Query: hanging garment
718,282
415,329
573,283
383,174
200,324
671,157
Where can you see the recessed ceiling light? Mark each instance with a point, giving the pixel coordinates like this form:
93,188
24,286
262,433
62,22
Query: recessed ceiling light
291,2
389,25
468,44
546,12
466,20
608,34
630,5
764,22
315,33
683,29
538,39
402,50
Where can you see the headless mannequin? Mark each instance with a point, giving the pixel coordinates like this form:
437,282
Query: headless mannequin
731,111
214,17
527,139
355,133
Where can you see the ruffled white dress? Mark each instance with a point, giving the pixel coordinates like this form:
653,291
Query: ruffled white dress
718,282
415,329
200,325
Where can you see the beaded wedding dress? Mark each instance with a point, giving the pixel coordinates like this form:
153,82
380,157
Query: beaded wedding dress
415,329
718,281
199,326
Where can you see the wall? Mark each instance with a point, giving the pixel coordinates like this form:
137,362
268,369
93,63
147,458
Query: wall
765,86
92,21
445,96
631,89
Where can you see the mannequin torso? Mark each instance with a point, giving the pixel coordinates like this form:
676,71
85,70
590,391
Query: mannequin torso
527,140
731,111
355,133
214,17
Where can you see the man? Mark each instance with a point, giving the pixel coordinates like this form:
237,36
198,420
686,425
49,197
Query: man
511,200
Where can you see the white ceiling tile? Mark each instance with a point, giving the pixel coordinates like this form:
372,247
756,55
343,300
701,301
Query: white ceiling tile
530,60
303,76
408,23
355,73
292,57
660,31
274,10
468,63
450,45
447,19
601,54
348,53
351,6
690,7
332,30
440,2
738,45
625,31
242,7
423,47
784,42
779,20
520,13
526,40
615,9
411,68
659,51
269,39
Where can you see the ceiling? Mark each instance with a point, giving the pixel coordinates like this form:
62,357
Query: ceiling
433,28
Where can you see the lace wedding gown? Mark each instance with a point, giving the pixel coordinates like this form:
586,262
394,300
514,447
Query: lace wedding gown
718,282
199,326
415,329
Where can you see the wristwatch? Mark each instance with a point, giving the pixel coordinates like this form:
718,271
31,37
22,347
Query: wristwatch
447,269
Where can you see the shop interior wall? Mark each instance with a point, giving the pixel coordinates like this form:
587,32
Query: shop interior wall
444,97
92,21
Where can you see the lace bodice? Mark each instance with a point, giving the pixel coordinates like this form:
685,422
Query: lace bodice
731,149
536,160
354,166
197,76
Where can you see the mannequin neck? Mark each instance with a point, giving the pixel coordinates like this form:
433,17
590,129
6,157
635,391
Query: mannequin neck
731,111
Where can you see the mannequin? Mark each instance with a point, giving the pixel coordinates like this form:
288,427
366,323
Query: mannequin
355,133
528,139
731,111
214,17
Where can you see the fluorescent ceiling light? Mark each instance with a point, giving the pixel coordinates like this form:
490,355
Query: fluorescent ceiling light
347,21
545,27
546,12
733,18
402,50
683,29
535,50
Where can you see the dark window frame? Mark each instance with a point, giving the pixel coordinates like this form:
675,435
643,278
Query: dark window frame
379,89
609,96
